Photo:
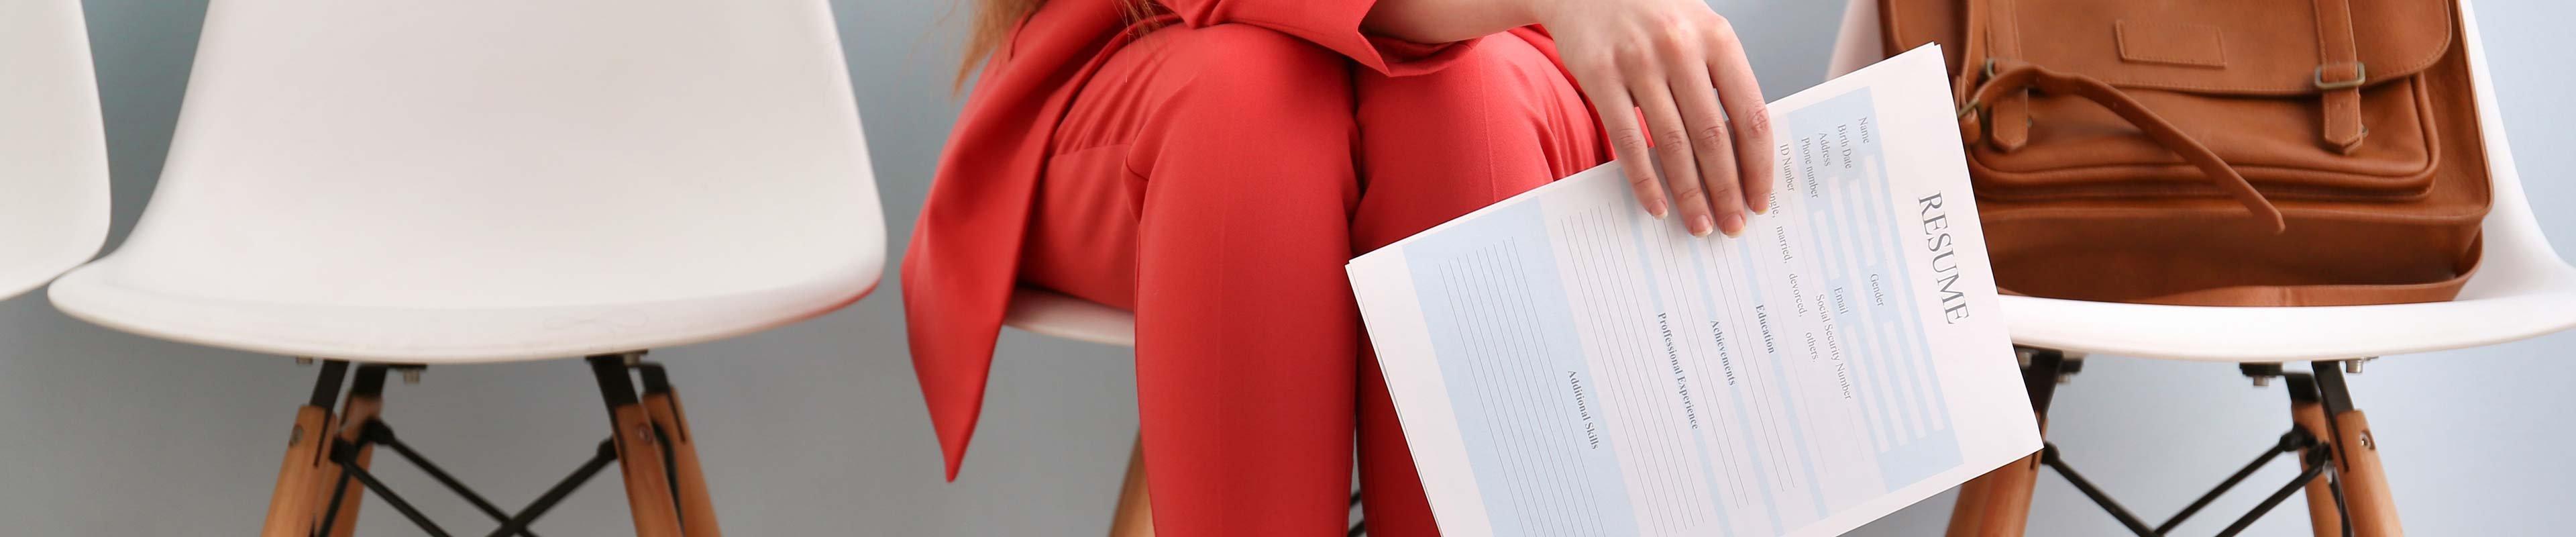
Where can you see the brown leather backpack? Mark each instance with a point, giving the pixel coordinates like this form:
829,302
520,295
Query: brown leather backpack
2216,152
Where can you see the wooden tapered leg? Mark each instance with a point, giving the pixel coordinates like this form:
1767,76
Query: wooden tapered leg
2322,516
1998,504
2004,511
291,506
2356,455
639,459
1969,515
366,402
1135,517
2365,483
697,507
639,451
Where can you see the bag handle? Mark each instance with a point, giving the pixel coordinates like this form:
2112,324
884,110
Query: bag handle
2007,76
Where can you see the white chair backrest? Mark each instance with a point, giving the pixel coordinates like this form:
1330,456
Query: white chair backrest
2518,258
53,152
434,154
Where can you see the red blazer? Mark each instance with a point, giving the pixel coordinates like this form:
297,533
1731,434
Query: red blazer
958,275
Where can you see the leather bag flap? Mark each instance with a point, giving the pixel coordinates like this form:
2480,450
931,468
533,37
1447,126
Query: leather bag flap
2241,47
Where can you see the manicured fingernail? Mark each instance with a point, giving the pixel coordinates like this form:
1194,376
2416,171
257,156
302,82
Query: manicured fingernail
1655,208
1734,225
1699,226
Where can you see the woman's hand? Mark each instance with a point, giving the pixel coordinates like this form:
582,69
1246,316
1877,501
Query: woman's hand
1680,63
1675,60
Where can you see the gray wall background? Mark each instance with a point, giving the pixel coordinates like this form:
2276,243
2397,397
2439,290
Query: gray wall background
817,429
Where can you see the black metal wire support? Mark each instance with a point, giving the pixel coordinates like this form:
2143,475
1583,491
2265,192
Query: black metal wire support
2332,397
1358,527
326,390
2296,439
2048,456
607,454
2324,386
2317,464
343,453
2319,461
348,461
369,383
339,493
378,433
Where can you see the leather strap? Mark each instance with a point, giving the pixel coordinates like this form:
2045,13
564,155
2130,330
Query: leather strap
2009,124
1973,56
2017,77
2341,76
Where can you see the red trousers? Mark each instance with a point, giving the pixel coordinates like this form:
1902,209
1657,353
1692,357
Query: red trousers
1214,181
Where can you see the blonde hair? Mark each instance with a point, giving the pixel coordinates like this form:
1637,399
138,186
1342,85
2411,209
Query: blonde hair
996,19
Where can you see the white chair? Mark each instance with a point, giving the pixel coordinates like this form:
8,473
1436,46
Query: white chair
53,152
1052,314
2522,289
402,184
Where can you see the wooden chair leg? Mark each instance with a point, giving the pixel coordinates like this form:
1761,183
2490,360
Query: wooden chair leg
2365,483
2005,509
639,459
2356,455
292,505
697,506
1998,504
2322,516
1969,515
1135,517
365,403
639,451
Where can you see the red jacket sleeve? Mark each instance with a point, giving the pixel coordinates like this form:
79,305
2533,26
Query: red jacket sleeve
1333,24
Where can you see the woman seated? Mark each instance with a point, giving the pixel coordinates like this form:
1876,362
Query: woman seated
1212,164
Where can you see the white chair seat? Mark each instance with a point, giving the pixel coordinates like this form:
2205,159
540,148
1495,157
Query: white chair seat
531,328
2274,335
53,153
349,180
1054,314
2521,290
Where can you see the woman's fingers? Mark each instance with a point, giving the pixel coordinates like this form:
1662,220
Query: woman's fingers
1710,145
1680,105
1748,117
1627,141
1673,153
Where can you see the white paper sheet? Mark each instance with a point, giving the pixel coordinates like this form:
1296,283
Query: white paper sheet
1566,365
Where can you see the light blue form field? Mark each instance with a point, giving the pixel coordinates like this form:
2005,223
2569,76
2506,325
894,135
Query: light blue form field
1541,425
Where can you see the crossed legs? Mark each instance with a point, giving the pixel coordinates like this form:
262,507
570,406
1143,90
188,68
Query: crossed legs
1214,180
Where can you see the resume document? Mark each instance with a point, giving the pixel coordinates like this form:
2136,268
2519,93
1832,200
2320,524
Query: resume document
1566,365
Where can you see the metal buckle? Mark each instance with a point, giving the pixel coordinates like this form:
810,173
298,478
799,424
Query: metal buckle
2360,74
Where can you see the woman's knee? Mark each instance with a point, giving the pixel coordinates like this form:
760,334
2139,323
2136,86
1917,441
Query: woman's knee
1247,71
1238,113
1505,91
1499,120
